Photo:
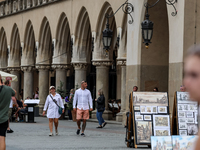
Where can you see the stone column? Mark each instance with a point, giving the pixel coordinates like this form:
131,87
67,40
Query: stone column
80,73
61,75
43,85
102,82
28,82
15,85
122,113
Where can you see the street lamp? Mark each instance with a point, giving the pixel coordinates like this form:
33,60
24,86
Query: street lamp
147,25
108,33
107,36
147,30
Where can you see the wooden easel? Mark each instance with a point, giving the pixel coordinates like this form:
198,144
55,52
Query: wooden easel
174,116
129,121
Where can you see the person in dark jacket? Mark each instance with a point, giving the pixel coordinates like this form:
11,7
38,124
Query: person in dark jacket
100,109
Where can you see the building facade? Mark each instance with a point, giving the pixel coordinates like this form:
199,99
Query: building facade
44,42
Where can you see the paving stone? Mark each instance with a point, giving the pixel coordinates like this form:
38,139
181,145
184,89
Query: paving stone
34,136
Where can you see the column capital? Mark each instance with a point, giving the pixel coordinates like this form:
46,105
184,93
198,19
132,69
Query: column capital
3,69
80,65
14,69
43,67
61,66
102,63
121,62
27,68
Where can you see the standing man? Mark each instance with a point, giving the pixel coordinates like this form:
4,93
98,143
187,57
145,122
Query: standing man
5,95
9,130
83,100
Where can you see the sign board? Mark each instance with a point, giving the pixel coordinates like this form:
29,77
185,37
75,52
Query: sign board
9,78
32,101
30,109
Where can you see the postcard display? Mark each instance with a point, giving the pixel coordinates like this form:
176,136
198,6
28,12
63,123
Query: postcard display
151,116
187,114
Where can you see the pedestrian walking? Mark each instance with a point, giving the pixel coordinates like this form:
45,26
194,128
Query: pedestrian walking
71,113
83,100
100,109
5,96
53,103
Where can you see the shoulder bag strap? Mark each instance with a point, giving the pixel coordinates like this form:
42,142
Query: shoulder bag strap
1,88
54,101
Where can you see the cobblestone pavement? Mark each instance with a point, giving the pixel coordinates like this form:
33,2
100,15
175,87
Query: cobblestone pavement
34,136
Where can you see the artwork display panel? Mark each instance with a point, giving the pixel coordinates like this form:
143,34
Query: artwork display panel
192,129
149,105
161,143
161,121
147,117
161,132
150,99
154,109
173,142
138,117
183,132
162,110
183,142
143,132
187,114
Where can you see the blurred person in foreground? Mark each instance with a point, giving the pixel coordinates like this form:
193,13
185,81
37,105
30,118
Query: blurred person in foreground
9,130
5,96
192,78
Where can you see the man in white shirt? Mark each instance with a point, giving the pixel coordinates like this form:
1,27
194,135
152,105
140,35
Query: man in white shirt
83,100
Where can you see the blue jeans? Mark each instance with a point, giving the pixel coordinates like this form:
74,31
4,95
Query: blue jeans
99,117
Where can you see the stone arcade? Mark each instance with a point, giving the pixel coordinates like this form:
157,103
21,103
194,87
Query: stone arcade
44,42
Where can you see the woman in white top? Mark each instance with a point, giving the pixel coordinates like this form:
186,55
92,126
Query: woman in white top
192,78
52,112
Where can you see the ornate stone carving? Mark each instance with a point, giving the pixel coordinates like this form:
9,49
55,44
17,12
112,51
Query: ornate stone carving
2,10
3,69
14,69
102,63
43,67
27,68
61,66
121,62
80,65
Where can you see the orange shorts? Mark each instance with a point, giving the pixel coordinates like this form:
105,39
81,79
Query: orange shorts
82,114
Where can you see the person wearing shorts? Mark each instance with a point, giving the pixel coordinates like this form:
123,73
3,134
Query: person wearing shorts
5,93
81,104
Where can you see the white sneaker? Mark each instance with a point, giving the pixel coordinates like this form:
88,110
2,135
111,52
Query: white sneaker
56,132
50,134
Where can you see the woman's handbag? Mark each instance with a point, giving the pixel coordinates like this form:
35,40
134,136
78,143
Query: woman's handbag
59,108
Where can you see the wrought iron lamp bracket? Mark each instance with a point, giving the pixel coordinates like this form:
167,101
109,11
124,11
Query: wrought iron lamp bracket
127,8
168,2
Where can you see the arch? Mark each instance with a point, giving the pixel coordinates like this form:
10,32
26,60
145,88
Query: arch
83,36
101,24
155,60
44,52
29,45
15,48
3,49
63,40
